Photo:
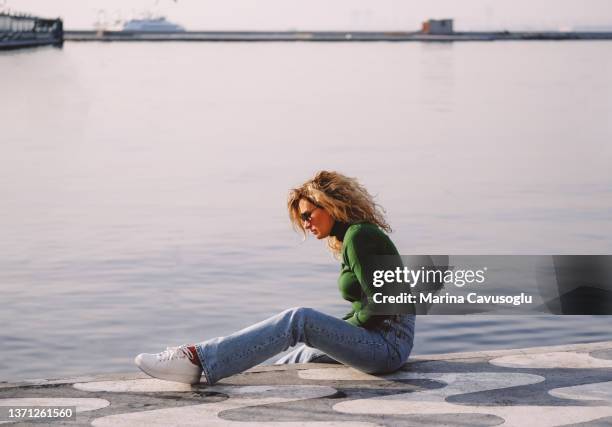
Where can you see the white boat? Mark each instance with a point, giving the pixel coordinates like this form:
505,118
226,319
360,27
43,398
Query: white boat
159,24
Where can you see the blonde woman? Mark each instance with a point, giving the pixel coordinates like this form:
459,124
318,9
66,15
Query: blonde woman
337,208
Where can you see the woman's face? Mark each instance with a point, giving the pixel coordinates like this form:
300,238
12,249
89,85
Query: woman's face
315,219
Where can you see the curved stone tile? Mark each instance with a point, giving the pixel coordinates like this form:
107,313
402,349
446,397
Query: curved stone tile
208,414
519,416
134,386
339,374
433,402
462,383
478,381
602,354
559,360
594,391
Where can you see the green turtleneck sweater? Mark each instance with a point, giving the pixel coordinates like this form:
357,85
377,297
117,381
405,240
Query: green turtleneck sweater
359,242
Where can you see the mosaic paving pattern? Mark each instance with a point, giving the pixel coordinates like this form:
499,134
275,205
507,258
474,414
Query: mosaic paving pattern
543,387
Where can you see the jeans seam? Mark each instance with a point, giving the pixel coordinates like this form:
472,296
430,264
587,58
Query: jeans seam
343,338
205,370
249,351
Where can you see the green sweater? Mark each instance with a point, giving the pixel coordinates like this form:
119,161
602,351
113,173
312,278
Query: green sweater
359,242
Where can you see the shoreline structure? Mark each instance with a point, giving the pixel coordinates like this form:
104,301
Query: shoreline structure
21,31
325,36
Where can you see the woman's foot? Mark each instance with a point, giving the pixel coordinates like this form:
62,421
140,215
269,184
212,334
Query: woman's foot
180,364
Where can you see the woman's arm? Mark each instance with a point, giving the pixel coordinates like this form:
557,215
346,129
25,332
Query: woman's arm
361,247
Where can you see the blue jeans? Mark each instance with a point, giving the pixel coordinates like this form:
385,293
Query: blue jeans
379,350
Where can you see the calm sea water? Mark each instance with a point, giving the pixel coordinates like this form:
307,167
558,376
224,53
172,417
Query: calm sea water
143,185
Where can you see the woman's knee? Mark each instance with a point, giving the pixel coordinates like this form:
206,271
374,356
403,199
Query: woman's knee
299,312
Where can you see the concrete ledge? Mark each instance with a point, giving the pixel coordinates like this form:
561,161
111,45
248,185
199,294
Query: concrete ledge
544,386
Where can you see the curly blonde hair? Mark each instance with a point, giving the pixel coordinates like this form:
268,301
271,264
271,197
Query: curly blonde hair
344,198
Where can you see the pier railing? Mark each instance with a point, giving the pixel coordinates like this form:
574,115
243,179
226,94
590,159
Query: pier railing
20,30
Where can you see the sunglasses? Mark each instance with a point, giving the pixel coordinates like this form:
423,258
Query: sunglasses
307,216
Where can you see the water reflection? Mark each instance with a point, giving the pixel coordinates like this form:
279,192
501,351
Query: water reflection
143,200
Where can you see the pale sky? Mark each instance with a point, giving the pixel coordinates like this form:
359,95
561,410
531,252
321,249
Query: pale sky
330,14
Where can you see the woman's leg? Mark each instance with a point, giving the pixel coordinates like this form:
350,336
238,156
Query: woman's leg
372,351
305,354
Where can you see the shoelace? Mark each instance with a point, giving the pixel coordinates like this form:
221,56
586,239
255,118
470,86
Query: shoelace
172,353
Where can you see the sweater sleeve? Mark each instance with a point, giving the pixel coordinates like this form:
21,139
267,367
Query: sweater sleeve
359,250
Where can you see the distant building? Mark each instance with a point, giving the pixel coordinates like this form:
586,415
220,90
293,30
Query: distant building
437,26
154,24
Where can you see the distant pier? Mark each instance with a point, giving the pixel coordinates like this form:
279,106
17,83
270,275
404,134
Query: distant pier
21,31
323,36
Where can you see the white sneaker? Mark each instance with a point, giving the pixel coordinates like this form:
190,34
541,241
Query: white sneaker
173,364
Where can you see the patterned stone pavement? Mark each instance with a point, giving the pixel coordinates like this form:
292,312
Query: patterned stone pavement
547,386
